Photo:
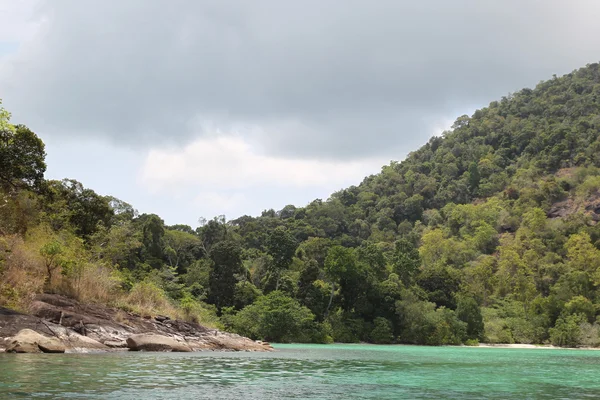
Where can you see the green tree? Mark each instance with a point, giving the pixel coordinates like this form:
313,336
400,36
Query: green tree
339,262
406,261
274,317
468,311
52,253
227,263
22,155
474,177
567,331
281,246
181,249
382,332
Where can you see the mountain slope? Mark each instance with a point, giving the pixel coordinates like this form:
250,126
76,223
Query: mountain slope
487,233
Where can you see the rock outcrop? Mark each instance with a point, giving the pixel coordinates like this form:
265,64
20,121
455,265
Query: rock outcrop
29,341
89,327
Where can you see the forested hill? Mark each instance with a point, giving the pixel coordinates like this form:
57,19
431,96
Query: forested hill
488,233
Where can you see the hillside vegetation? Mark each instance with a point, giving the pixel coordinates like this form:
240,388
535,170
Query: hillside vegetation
487,233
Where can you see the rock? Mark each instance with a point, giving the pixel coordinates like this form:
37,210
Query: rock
83,328
83,344
115,344
161,318
17,347
51,346
152,342
11,322
30,341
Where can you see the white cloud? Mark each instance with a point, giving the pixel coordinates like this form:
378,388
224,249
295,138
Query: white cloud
220,202
231,162
20,24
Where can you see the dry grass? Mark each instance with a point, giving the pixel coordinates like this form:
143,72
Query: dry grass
21,274
91,283
147,299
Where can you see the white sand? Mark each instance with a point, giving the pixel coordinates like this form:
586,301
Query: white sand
533,346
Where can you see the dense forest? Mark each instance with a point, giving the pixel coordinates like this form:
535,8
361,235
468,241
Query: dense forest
487,233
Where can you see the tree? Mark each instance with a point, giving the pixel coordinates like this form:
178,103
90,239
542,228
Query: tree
281,246
382,332
339,262
372,256
567,331
274,317
153,232
582,254
406,261
181,249
226,257
22,155
212,232
52,252
469,312
85,209
119,245
474,177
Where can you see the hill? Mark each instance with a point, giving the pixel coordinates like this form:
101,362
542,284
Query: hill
487,233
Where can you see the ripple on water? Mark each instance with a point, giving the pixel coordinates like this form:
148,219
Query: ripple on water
306,372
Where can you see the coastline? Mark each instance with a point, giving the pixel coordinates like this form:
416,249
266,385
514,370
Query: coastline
530,346
57,324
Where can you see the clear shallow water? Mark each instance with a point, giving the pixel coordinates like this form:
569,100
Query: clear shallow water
307,372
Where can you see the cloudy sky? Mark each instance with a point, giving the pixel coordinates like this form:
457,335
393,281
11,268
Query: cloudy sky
200,107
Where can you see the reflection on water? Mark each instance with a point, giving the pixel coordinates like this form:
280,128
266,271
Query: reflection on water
306,372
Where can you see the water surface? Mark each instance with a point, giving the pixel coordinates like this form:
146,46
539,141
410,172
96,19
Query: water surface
307,372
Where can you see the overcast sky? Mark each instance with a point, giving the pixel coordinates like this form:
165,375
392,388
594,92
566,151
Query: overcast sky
199,108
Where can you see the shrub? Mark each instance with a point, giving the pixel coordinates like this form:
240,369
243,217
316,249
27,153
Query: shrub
567,331
346,328
382,333
146,298
274,317
199,312
469,312
496,329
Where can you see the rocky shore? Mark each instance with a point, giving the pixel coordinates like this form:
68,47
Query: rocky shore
58,324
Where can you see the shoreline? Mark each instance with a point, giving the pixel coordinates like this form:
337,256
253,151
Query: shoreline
530,346
480,345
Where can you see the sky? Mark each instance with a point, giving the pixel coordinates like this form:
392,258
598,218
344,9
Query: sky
198,108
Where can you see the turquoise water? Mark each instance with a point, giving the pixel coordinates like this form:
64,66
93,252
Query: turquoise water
307,372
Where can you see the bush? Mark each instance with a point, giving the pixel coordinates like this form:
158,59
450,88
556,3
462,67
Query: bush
422,323
146,298
567,331
496,329
447,329
199,312
382,333
346,328
469,312
274,317
590,334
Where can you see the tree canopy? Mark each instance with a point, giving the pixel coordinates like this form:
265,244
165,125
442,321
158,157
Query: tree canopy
487,232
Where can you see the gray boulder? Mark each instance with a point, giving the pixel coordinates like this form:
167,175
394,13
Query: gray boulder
152,342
